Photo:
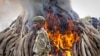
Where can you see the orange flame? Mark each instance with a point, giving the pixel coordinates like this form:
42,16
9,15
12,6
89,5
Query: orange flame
62,42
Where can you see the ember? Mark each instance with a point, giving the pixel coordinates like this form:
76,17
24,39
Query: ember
61,29
61,33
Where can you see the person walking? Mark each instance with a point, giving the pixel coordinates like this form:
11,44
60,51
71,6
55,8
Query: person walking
42,43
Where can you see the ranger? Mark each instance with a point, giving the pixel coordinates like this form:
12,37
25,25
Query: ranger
42,44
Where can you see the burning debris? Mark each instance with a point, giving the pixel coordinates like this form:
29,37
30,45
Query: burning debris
62,33
65,34
69,36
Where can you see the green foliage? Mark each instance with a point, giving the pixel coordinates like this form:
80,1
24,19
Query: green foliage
87,18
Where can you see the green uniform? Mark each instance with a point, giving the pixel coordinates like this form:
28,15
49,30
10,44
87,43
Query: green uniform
42,44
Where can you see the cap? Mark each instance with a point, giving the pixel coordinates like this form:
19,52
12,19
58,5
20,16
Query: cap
38,18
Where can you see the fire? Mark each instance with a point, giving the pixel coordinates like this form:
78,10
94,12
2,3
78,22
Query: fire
63,40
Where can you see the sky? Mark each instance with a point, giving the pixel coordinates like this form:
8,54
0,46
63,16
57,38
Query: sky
86,7
8,13
81,7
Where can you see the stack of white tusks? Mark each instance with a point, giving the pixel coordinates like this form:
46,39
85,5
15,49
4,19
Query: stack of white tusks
17,40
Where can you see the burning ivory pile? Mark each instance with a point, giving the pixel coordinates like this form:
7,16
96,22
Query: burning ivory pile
68,35
17,42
